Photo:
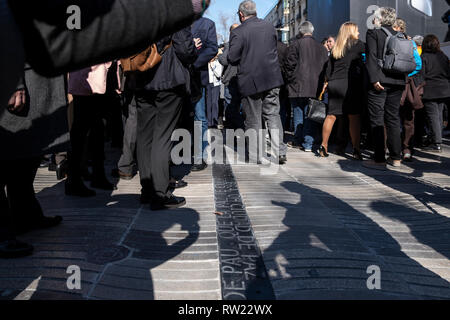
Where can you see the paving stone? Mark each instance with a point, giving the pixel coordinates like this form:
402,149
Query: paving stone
320,223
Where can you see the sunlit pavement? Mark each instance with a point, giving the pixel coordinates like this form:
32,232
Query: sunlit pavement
324,229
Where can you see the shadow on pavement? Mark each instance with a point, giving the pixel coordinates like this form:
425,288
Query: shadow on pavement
114,241
328,246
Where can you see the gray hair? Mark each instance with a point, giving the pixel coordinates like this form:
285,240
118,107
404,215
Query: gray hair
248,8
418,40
386,16
306,27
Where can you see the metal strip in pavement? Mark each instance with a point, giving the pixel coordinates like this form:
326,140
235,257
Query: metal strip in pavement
242,269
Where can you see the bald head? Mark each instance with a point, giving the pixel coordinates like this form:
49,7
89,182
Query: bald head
234,26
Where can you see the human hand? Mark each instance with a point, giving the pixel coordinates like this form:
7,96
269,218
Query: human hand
17,101
198,43
378,86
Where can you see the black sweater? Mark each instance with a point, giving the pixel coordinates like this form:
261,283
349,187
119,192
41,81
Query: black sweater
349,66
436,71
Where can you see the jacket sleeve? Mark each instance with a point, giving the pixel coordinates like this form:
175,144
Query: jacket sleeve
223,58
109,29
183,43
291,62
373,68
328,70
236,47
209,50
418,60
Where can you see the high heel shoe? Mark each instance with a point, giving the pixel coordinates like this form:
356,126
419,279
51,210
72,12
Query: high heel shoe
323,153
357,155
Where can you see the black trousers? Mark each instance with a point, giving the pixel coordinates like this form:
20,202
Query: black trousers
18,205
157,115
128,158
435,117
212,104
384,110
87,123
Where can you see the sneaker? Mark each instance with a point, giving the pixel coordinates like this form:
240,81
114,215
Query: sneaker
282,160
371,164
407,157
394,163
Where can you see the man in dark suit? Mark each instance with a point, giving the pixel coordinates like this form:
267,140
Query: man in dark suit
304,65
205,30
253,46
159,97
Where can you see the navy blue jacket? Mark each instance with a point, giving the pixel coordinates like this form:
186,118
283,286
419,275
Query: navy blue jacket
253,47
205,29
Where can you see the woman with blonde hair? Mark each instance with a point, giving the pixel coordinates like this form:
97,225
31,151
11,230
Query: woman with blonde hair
345,86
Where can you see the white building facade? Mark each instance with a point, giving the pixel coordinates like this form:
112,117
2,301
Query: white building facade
286,16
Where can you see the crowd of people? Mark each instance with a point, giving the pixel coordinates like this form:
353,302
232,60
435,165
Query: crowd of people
388,101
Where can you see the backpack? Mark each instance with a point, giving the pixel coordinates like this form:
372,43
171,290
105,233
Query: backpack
398,55
145,60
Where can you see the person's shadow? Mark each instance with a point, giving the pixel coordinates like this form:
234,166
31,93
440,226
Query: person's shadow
327,247
429,229
114,240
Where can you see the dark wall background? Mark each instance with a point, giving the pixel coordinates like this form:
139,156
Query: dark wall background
328,15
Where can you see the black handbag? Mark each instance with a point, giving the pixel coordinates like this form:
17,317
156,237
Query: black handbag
317,109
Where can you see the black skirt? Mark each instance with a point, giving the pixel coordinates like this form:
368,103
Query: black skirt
345,97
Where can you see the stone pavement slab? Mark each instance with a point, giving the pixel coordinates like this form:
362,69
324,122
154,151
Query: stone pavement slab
123,249
315,229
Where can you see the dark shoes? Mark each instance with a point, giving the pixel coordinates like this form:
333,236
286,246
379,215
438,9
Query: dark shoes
116,173
171,202
371,164
282,160
199,167
323,153
78,189
435,148
44,163
178,184
11,249
357,155
394,163
43,223
60,169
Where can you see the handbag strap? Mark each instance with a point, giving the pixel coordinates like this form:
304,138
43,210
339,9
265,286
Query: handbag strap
322,93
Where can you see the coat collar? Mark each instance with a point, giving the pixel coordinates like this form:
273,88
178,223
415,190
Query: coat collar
250,19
